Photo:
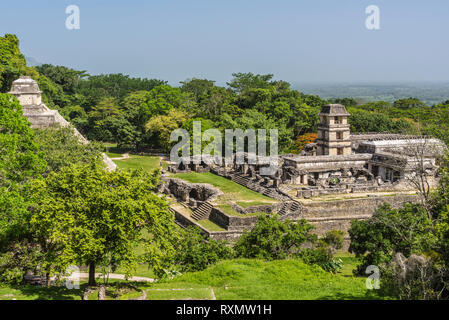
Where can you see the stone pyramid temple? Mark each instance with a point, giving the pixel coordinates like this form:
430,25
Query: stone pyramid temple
27,91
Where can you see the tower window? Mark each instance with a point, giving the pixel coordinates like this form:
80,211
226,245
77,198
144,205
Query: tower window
340,151
340,135
337,120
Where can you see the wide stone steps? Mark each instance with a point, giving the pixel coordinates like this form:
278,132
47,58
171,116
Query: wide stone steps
295,206
270,193
290,207
240,180
203,211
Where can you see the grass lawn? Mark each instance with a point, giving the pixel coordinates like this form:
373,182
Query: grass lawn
231,190
113,155
182,294
209,225
250,279
350,262
148,163
227,208
29,292
246,279
246,204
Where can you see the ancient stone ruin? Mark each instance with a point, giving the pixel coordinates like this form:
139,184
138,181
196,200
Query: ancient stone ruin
337,163
27,91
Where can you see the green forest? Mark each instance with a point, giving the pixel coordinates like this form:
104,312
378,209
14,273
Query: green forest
139,114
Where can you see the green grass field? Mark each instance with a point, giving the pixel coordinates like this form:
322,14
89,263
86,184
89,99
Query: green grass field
147,163
246,204
227,208
113,155
246,279
283,279
211,226
232,191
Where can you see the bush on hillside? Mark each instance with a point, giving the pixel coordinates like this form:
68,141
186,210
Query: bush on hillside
194,252
272,239
322,252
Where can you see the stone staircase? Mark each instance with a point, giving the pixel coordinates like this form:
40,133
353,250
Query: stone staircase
295,207
270,193
240,179
290,207
251,184
203,211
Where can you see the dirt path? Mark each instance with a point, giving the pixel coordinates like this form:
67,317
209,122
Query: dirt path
123,157
118,276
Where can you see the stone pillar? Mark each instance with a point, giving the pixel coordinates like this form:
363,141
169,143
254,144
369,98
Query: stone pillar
305,180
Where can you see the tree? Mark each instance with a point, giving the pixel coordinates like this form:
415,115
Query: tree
273,239
117,86
244,81
347,102
88,215
253,119
422,169
197,87
107,107
375,240
408,103
302,141
212,100
163,125
12,62
195,252
61,147
20,159
67,78
20,162
364,122
322,251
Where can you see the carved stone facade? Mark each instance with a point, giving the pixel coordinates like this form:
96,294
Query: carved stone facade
333,131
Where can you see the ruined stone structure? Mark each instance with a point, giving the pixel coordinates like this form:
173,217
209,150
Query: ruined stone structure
333,131
337,163
27,91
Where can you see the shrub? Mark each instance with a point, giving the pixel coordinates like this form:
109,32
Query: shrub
323,252
195,253
321,257
334,239
375,240
416,278
273,239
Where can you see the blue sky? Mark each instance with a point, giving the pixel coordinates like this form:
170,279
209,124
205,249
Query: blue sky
299,41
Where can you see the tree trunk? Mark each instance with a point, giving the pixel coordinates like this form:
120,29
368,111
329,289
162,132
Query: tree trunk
47,279
92,281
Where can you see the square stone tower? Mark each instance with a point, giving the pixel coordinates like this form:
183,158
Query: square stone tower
334,136
27,92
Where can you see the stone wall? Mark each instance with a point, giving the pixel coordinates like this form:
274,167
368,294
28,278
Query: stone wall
230,235
268,208
231,223
185,191
337,214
